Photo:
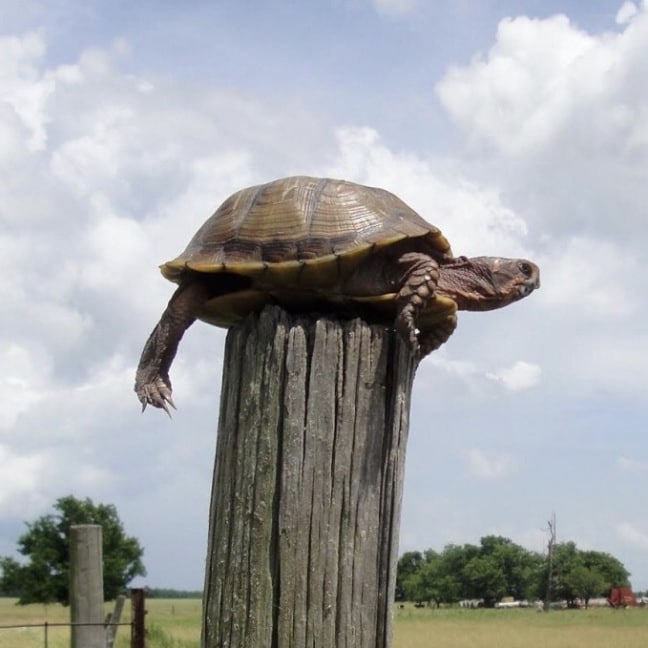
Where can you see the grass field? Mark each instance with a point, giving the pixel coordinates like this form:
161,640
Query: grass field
516,628
176,624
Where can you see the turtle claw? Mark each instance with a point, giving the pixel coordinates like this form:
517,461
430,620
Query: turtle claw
166,409
157,393
168,401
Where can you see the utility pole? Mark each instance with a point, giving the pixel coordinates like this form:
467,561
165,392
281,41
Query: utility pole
550,550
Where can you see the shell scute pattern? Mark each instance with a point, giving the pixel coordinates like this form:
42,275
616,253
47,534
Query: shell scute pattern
299,220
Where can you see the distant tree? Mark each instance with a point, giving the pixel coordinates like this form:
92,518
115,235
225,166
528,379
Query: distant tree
576,572
485,579
442,584
408,565
170,593
586,583
498,567
611,569
565,558
413,589
44,578
521,568
455,559
9,584
432,582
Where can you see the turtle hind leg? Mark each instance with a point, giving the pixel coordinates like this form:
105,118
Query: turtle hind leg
431,339
152,383
415,295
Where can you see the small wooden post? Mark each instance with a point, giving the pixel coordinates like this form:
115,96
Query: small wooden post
86,586
138,618
306,496
113,621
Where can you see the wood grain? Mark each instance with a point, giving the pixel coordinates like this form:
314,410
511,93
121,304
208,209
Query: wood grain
307,488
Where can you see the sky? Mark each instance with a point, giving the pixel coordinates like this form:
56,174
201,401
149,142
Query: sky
518,128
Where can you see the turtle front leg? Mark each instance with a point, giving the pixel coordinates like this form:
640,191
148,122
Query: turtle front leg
415,294
152,383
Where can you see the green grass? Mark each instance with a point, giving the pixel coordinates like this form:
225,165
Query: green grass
458,628
173,623
176,624
170,624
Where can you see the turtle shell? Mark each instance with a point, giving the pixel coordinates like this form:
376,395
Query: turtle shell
295,237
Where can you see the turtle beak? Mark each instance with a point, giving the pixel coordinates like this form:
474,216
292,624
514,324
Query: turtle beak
527,288
532,281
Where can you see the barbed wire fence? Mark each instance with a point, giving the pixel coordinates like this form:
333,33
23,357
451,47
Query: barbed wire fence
46,626
30,631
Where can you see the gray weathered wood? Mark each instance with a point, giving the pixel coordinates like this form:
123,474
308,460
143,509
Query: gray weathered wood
86,586
114,620
307,486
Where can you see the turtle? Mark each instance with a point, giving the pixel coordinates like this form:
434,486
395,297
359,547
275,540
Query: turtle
323,245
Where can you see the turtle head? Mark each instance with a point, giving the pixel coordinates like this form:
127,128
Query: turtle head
486,283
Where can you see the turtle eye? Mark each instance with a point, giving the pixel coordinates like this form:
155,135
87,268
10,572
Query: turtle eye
526,269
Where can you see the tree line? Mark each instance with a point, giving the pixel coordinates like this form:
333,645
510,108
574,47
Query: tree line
499,568
490,571
171,593
43,574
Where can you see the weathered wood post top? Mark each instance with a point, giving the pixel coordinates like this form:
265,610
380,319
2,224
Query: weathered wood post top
307,484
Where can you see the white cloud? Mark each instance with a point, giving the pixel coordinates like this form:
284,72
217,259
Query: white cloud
394,7
457,367
626,464
23,380
522,375
21,85
583,274
19,479
632,534
95,160
490,465
112,248
545,82
450,377
626,13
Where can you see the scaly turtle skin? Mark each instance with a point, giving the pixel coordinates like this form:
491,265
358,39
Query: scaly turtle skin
318,245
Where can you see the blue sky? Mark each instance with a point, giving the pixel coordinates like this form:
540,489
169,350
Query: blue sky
519,128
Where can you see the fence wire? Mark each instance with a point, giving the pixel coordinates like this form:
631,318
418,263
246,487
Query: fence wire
46,634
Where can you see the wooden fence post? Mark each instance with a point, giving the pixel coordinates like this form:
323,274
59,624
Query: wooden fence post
306,496
138,617
86,586
113,620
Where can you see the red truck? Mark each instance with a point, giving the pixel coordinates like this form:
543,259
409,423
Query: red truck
621,597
